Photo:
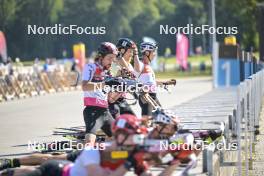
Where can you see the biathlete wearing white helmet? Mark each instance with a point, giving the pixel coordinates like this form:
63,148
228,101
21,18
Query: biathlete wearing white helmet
146,75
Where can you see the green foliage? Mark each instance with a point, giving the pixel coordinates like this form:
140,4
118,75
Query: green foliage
7,13
179,74
241,14
122,18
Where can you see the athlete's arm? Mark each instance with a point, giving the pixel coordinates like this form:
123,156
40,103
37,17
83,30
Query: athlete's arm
138,66
160,82
87,76
91,86
113,96
170,82
121,61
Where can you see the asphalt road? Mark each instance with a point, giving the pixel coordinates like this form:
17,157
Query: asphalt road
33,119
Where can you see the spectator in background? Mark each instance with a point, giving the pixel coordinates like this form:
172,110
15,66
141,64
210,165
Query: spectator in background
74,66
199,50
49,65
167,54
46,65
54,65
9,65
189,67
36,66
202,66
18,65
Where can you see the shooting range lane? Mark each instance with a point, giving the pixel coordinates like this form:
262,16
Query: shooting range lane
238,109
35,118
209,111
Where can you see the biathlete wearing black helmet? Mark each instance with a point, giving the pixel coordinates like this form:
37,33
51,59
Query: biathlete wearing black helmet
120,106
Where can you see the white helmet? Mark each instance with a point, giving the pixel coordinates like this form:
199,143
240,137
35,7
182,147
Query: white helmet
148,46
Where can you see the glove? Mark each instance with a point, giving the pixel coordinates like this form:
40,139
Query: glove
214,134
136,160
115,85
170,82
173,81
141,165
126,73
131,161
112,82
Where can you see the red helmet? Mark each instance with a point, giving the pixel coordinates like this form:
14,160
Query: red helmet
129,123
107,48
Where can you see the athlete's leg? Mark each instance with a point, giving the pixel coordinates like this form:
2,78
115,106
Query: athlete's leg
37,159
107,121
90,116
51,168
19,171
146,110
114,109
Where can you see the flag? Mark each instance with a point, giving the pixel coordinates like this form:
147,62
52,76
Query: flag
182,46
3,52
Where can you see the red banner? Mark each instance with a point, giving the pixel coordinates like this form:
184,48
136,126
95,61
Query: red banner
3,53
182,46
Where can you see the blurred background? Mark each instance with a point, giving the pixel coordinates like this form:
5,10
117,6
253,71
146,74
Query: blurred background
125,18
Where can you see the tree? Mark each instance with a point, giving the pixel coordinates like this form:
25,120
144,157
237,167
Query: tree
241,14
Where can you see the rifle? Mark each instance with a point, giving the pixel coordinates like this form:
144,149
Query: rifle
183,152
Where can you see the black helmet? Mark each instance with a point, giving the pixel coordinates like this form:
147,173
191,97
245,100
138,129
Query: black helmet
107,48
124,43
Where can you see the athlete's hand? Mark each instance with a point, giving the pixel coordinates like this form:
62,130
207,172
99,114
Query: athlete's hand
116,85
119,55
112,82
170,82
137,160
135,49
125,73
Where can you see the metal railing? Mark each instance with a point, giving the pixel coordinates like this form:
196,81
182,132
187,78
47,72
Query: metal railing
249,101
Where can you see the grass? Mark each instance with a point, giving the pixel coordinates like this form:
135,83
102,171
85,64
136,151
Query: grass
30,63
179,74
172,65
194,60
173,72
